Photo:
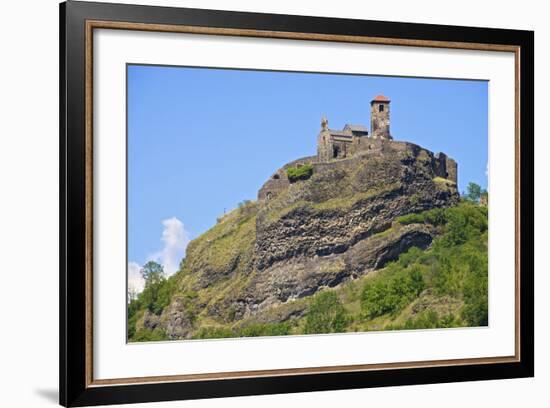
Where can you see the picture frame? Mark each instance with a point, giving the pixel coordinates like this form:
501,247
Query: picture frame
79,21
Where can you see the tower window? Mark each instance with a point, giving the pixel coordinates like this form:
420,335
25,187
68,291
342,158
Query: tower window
380,108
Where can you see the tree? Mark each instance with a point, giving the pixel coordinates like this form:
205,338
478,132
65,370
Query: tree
326,314
156,288
152,273
473,192
484,198
132,293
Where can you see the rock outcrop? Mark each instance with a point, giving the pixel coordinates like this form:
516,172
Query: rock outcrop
315,233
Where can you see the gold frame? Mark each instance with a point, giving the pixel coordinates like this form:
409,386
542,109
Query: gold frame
99,24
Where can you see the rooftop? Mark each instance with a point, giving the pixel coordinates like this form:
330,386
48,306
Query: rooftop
356,128
381,98
334,132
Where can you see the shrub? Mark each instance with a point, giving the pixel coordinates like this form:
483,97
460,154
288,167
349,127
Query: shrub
436,216
456,265
415,199
150,335
391,295
265,329
475,310
427,320
299,173
211,332
326,314
157,295
132,319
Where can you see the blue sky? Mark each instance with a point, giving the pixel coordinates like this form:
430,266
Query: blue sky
201,140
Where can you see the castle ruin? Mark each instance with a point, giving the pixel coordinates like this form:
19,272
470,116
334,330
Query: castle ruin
353,140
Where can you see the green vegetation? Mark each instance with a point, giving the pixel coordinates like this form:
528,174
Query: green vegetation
225,247
444,184
150,335
445,285
221,247
427,320
213,333
265,329
350,201
302,172
326,314
474,193
154,298
441,180
391,295
251,330
435,217
157,293
457,263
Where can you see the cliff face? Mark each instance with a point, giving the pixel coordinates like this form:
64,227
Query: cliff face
348,200
310,234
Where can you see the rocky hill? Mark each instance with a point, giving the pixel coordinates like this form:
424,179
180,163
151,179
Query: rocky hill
260,267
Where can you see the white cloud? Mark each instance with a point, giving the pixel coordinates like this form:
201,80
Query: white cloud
135,280
175,239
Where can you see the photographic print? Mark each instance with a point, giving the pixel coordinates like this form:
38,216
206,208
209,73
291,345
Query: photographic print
259,203
265,203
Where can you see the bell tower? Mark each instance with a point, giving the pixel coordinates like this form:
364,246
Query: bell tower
380,118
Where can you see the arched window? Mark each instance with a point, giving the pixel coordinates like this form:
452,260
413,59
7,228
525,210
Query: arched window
380,108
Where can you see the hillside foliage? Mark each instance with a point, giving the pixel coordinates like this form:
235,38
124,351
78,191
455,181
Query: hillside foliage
445,285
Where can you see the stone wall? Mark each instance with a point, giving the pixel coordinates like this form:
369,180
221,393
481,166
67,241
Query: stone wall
439,165
452,170
279,180
328,145
273,187
445,167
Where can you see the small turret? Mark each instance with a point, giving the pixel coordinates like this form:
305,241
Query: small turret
324,123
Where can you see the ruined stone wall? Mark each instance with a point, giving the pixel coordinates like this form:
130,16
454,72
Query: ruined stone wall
279,180
272,188
440,165
342,150
445,167
327,146
452,170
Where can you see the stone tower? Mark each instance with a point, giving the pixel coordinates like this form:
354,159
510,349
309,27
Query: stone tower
380,118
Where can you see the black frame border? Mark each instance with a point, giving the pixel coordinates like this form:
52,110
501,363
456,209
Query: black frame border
72,125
